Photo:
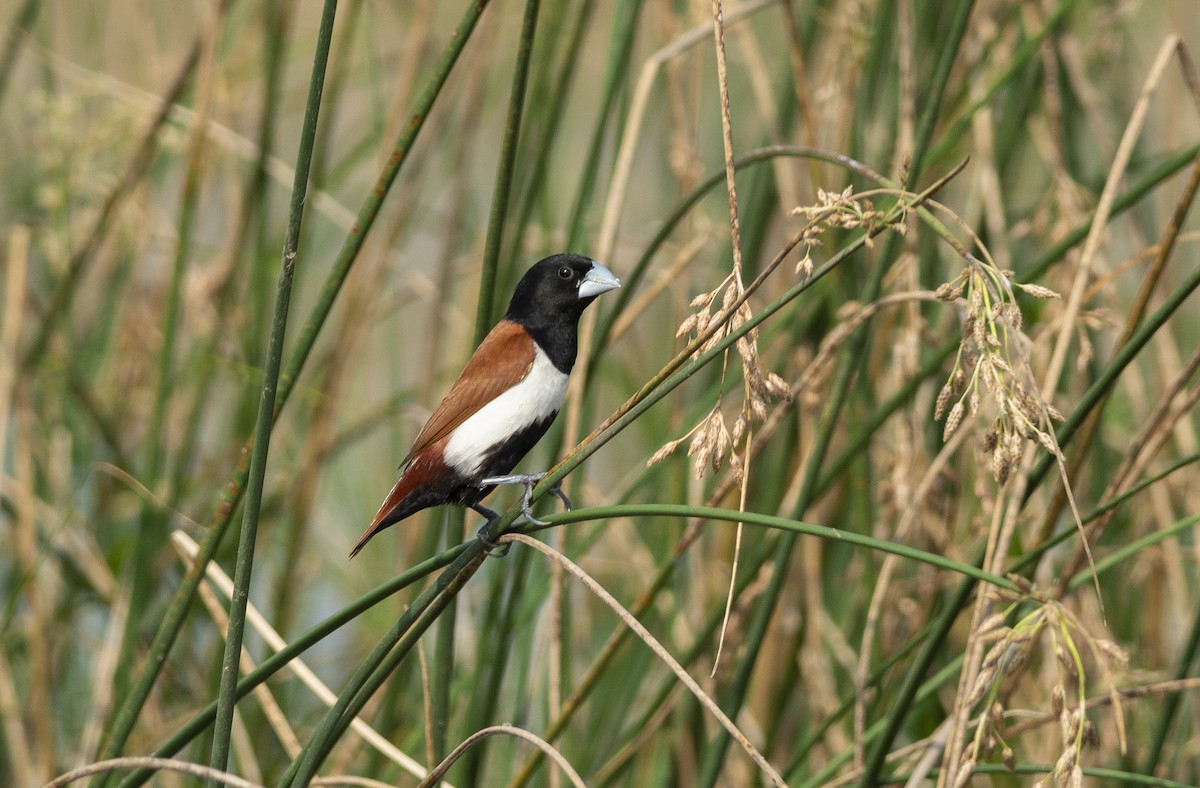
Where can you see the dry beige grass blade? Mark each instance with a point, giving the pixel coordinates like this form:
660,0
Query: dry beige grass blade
649,293
37,618
351,779
16,266
1103,211
23,755
718,27
188,548
659,651
21,763
504,730
736,242
160,764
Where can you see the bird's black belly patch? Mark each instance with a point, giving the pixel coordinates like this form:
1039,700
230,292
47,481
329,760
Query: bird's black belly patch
502,458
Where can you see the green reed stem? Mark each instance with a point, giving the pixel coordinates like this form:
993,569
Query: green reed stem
244,565
484,314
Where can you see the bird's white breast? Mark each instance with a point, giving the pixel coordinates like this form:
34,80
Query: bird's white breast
539,395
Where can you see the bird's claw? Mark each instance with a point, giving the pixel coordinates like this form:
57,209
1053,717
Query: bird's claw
492,548
557,492
527,505
529,480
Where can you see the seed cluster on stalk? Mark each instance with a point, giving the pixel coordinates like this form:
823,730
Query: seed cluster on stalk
992,362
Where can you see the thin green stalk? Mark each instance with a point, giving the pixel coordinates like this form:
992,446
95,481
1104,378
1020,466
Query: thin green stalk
785,524
484,317
244,565
493,655
1102,776
550,112
441,676
624,31
1131,549
180,603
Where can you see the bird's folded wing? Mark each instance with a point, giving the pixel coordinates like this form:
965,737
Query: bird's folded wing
500,362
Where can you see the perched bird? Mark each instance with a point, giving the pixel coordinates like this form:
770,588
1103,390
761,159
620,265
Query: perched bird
504,400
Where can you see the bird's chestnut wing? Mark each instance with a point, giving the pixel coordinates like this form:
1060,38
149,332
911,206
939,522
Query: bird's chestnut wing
501,361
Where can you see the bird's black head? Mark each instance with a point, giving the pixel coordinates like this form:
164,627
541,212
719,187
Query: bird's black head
550,298
556,290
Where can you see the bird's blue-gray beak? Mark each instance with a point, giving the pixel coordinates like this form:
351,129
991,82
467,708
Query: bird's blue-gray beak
597,280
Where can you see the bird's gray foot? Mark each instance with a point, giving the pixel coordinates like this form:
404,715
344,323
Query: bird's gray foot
529,480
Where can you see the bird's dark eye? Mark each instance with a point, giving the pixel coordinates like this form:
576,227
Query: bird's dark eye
565,273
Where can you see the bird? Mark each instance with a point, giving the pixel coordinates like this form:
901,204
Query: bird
503,401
